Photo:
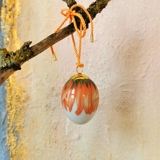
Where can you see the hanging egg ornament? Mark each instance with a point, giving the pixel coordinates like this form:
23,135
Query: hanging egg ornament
80,98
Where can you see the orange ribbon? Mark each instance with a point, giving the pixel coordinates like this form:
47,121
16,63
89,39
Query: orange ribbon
81,32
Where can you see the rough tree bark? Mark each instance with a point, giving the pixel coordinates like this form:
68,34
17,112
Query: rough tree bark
12,61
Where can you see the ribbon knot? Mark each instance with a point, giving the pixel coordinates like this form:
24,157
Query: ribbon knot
81,65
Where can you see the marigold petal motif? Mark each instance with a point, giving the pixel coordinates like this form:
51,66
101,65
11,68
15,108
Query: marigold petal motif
82,90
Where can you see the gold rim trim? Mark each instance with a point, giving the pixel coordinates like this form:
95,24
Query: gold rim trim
79,76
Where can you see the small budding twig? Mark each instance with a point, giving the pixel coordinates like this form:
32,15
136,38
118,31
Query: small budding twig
13,60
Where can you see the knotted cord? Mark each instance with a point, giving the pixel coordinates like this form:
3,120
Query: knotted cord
81,32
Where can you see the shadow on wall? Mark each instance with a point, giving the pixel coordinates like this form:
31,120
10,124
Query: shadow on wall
128,87
4,152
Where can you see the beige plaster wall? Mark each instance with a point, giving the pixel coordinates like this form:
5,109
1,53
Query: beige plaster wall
124,62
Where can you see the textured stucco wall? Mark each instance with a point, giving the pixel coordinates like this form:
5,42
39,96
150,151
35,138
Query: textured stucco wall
123,62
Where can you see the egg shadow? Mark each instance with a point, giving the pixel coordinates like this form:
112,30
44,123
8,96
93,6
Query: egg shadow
122,114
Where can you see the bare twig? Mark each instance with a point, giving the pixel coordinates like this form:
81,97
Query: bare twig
11,61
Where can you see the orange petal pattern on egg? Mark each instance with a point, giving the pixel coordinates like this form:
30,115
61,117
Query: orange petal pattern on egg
81,89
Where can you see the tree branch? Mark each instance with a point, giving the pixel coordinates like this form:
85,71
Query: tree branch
12,61
70,3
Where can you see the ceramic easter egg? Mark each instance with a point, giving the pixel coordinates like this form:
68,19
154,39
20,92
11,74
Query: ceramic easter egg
80,98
